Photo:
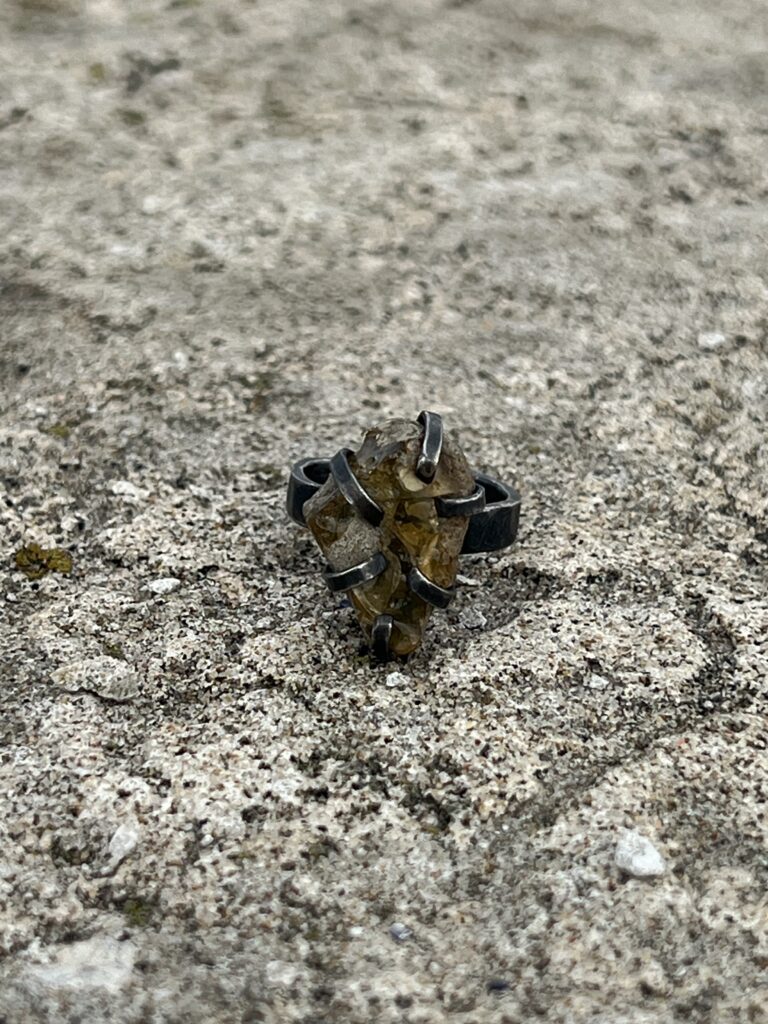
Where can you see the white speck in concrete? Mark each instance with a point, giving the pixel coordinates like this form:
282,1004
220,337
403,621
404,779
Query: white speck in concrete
400,932
123,843
70,523
125,489
598,682
467,581
151,205
280,974
396,679
711,340
166,585
637,855
472,618
7,871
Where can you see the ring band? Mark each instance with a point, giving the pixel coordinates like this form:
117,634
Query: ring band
332,495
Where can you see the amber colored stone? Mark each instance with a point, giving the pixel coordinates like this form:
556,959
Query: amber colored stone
410,533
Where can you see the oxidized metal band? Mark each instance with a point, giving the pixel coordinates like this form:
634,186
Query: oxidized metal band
492,511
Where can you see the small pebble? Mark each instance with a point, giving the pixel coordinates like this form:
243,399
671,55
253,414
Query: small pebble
396,679
637,855
597,682
400,932
472,618
123,842
166,585
125,489
711,340
280,974
69,523
467,581
7,871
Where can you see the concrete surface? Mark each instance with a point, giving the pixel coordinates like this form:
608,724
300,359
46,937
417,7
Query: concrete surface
237,232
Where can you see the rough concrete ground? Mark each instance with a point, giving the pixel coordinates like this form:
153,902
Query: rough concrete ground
236,232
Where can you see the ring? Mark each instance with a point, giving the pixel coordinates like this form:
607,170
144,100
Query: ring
392,520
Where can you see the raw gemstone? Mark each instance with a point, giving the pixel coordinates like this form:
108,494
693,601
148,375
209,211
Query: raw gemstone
410,534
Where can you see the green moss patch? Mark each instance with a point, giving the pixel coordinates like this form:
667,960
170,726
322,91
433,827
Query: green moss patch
36,562
60,430
138,911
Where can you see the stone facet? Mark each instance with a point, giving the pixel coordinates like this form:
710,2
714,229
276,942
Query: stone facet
410,533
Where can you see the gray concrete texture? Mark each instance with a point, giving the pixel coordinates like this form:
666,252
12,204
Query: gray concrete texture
237,232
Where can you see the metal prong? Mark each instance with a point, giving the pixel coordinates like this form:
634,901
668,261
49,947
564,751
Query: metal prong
428,591
495,526
431,446
469,505
381,633
355,575
353,490
306,479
